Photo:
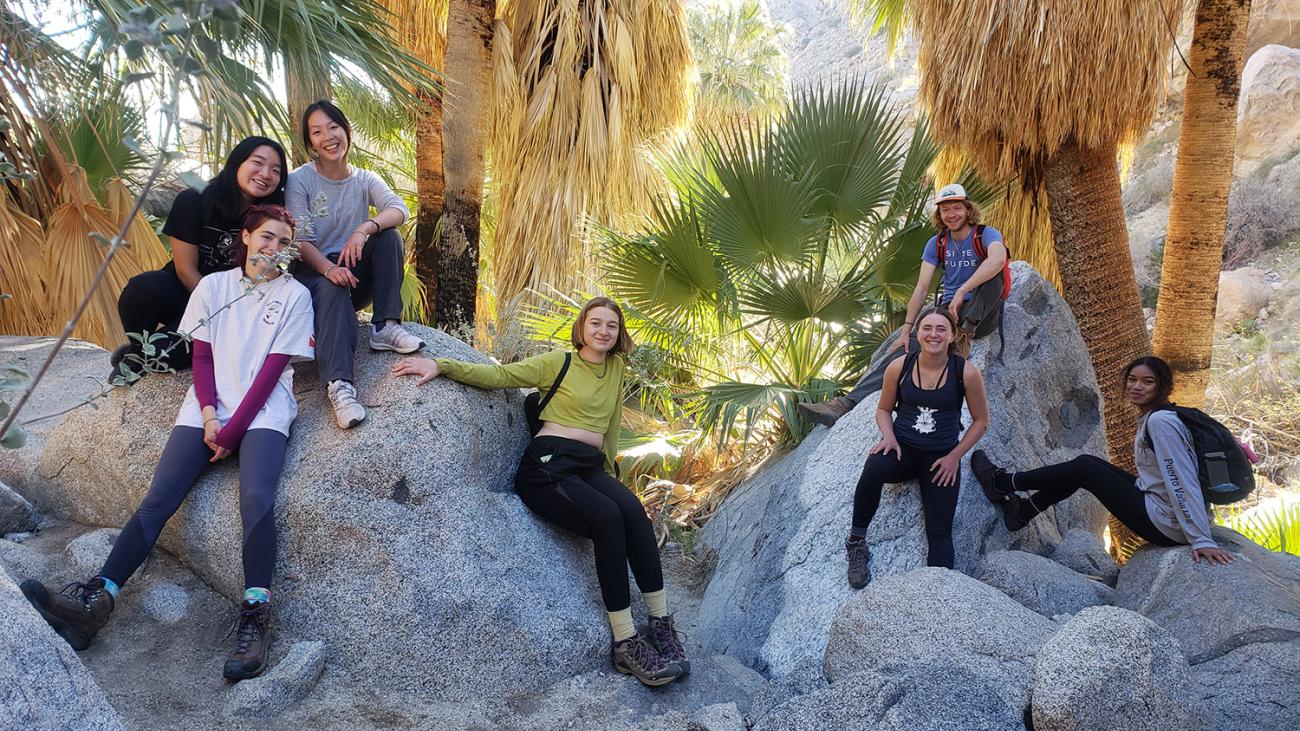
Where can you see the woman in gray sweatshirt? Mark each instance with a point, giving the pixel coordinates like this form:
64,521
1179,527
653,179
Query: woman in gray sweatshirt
1162,503
351,258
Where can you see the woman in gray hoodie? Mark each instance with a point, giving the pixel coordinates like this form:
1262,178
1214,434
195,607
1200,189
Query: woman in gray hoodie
1162,503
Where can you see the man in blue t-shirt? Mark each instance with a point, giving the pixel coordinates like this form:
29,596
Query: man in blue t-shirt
971,289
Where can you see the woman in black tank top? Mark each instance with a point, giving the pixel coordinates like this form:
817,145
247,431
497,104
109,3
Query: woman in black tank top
923,441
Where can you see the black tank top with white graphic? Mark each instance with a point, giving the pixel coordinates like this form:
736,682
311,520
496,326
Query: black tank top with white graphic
930,419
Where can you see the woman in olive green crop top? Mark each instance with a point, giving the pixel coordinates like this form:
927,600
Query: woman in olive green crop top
566,476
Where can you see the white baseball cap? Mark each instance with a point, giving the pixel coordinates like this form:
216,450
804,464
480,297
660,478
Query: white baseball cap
951,192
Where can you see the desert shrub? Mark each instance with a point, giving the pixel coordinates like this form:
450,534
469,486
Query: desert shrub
1261,215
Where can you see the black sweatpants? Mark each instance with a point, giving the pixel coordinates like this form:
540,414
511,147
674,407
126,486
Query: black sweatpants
260,455
564,481
1115,488
379,282
981,314
938,504
155,302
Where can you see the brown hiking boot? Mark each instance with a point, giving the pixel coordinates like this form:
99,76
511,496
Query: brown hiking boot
859,562
663,635
636,656
252,640
77,612
987,474
826,413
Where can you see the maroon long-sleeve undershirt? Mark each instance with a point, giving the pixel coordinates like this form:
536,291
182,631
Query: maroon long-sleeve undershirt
205,377
260,390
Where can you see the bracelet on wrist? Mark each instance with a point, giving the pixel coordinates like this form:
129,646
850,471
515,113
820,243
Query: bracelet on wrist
211,418
330,268
905,322
378,228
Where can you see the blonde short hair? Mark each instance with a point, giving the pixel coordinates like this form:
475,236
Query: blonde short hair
624,343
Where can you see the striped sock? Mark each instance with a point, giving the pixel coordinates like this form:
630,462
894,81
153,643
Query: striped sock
656,603
621,624
255,594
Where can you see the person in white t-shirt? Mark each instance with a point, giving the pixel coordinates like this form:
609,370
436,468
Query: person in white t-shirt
248,325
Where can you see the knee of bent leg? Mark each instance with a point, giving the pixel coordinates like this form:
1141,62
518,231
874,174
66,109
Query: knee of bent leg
607,521
387,239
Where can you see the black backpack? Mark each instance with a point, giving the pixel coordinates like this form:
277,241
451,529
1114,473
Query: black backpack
1222,467
535,402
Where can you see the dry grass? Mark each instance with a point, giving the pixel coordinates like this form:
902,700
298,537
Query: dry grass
1010,83
580,89
25,311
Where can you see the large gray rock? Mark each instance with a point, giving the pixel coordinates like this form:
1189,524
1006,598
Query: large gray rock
401,542
1041,584
1110,668
43,685
1086,553
1239,625
1267,121
288,682
87,552
22,561
779,537
912,697
604,699
16,514
938,617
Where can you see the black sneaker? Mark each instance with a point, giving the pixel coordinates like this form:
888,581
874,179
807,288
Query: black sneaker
859,562
636,656
77,612
663,635
252,641
1008,501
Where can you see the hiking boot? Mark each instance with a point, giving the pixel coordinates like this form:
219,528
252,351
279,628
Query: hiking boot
77,612
859,562
1007,500
636,656
347,412
252,640
826,413
663,635
395,338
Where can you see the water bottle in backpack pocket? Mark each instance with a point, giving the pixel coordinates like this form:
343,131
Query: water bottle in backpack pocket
1222,466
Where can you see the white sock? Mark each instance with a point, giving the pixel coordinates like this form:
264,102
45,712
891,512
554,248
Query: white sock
621,624
656,603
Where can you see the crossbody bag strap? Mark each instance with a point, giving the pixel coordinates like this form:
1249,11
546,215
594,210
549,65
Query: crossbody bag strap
559,378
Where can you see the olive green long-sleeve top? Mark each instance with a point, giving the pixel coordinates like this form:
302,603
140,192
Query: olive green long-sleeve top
590,398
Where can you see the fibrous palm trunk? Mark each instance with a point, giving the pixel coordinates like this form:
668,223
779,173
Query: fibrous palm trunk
466,124
1098,283
430,190
1198,205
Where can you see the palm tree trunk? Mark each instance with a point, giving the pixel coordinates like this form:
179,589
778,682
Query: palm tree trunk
1198,205
431,190
1097,276
1097,281
465,128
304,84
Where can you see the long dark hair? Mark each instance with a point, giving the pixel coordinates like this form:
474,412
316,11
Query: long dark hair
1164,377
222,197
335,114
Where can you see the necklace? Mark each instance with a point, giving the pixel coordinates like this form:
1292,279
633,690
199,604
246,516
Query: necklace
920,382
592,366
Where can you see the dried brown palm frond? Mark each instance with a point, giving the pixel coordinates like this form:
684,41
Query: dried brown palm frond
580,89
24,312
1009,83
72,256
142,241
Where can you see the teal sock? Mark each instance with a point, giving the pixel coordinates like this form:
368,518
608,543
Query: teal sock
110,586
255,594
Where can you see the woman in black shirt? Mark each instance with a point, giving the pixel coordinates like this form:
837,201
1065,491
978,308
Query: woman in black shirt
203,228
925,390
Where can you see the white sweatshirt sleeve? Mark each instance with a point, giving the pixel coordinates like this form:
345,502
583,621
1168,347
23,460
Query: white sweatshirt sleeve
1172,443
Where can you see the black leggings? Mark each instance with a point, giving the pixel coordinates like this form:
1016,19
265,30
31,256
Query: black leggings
261,455
939,504
1115,488
564,482
155,302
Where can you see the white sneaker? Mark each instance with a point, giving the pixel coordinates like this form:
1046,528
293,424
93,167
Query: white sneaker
395,338
347,412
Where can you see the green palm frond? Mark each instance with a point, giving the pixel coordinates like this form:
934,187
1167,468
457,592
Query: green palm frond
92,131
890,17
669,271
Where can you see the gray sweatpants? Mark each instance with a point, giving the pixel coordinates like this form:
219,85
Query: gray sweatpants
379,281
980,315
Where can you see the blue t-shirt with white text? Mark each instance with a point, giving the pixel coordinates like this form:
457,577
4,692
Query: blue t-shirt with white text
960,258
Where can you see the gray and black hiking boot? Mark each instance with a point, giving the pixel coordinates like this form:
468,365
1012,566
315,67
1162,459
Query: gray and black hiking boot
826,413
987,474
252,641
77,612
636,656
859,562
663,635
